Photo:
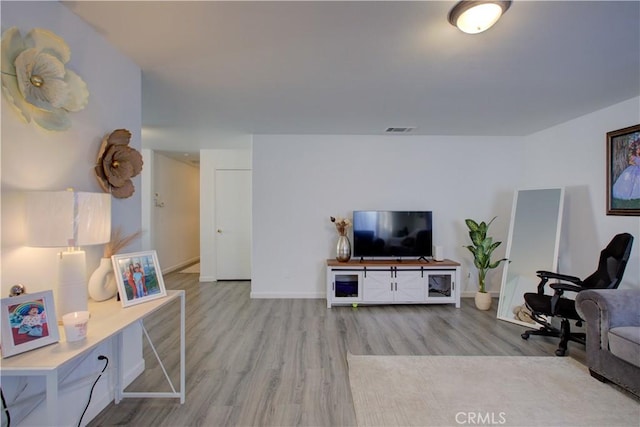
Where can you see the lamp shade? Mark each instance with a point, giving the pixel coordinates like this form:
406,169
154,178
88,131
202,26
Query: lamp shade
68,218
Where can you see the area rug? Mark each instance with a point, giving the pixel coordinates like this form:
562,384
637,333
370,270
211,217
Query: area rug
195,268
484,390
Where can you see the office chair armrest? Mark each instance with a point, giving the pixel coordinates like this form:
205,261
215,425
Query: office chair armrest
558,276
546,275
565,287
559,289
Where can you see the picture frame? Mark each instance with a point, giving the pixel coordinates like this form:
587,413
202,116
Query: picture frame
27,322
623,171
138,277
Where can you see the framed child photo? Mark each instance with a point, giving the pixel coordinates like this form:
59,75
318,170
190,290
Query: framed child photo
28,321
139,277
623,171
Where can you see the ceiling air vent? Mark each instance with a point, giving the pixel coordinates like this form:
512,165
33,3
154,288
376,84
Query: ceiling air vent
395,130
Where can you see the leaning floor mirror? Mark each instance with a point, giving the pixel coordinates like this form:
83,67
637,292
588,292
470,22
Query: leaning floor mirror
532,245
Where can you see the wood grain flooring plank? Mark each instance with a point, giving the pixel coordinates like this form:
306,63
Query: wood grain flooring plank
282,362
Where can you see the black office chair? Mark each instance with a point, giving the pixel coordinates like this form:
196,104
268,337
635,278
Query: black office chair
613,261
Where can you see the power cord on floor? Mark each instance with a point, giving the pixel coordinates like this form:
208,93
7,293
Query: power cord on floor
101,357
5,410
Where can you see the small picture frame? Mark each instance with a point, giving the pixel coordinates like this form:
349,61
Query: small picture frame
623,171
139,277
28,321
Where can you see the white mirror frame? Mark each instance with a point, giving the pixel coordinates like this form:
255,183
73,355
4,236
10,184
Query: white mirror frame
532,245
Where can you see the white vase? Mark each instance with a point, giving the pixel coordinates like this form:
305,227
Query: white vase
483,300
102,283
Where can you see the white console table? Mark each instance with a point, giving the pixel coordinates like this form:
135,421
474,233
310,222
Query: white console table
108,319
393,282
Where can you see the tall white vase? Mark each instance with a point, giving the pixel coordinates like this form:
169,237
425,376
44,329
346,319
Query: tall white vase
102,283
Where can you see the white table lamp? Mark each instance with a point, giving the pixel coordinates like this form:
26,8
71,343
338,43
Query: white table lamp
69,219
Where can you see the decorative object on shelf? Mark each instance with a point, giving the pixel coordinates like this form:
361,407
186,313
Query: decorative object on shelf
28,321
482,248
36,81
102,283
70,220
343,247
16,290
75,325
473,17
139,277
623,171
117,163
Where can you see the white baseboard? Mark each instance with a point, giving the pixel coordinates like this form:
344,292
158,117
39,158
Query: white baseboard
181,265
288,295
134,372
315,295
472,294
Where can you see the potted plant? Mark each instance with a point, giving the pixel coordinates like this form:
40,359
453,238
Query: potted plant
482,248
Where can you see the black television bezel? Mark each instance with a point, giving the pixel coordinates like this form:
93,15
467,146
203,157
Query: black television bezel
427,256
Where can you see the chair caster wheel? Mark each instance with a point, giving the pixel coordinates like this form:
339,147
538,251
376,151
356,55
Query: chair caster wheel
560,352
525,336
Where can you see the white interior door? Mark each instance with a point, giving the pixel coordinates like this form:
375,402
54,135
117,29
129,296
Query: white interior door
233,224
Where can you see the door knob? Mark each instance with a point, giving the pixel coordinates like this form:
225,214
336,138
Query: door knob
219,231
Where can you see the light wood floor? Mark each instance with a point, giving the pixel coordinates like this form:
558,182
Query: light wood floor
271,362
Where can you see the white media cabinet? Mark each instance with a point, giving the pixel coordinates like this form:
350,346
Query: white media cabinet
393,282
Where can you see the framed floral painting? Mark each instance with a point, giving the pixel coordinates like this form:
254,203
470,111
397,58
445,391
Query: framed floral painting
623,171
138,277
28,322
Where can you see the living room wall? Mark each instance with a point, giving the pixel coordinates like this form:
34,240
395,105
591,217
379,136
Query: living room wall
573,155
300,181
175,212
36,159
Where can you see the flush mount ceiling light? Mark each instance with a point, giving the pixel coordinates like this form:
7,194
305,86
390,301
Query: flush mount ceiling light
474,17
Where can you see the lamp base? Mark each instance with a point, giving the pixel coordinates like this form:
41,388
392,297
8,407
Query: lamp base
72,283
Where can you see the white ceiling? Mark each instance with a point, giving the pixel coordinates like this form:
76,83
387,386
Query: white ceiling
359,67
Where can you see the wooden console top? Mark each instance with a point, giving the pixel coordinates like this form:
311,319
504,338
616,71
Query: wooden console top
391,263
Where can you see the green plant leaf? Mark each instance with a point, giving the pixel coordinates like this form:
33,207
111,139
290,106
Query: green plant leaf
471,224
482,248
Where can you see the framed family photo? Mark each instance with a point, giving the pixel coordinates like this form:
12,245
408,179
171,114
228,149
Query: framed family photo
28,322
139,277
623,171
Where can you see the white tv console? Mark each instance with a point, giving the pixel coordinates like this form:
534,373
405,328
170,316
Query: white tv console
393,282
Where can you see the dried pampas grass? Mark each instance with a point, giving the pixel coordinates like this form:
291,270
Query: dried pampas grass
119,242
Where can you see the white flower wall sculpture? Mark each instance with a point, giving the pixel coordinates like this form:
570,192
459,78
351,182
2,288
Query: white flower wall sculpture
36,81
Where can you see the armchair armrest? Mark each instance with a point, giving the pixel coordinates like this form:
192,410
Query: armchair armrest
617,307
604,309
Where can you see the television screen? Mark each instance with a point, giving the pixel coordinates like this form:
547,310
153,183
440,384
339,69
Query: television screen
392,234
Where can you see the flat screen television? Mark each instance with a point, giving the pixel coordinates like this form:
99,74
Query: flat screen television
392,234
